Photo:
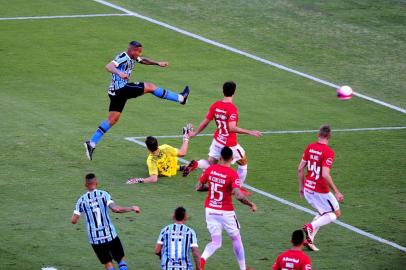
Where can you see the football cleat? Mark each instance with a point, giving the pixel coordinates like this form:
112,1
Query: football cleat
89,150
190,168
311,246
202,263
185,93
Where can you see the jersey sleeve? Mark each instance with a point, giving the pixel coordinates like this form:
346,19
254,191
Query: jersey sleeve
78,208
204,177
235,181
276,266
121,58
328,159
233,115
210,113
305,156
161,236
306,264
193,240
108,198
152,167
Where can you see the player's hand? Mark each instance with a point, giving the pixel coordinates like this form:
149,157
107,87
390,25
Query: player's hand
123,75
339,196
253,207
256,133
136,209
163,64
186,131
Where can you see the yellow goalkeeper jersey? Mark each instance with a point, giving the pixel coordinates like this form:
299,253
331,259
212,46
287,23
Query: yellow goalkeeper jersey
165,163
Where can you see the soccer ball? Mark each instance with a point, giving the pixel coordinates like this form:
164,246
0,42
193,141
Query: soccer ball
344,92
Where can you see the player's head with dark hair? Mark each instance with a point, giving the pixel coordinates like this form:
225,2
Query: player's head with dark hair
325,132
297,238
227,154
180,214
152,143
90,181
134,49
229,88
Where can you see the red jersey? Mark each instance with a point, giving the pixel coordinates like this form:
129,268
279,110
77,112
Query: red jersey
223,113
292,259
317,156
221,180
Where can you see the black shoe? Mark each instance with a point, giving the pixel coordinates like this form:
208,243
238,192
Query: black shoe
89,150
185,93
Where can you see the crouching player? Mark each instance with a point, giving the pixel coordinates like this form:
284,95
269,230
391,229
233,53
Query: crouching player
163,160
223,182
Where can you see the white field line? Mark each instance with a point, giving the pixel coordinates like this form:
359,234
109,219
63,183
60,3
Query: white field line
63,17
301,208
290,132
249,55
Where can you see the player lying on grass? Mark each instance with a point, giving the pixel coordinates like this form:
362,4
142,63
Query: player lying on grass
318,158
178,256
95,204
223,183
225,115
294,258
163,159
120,90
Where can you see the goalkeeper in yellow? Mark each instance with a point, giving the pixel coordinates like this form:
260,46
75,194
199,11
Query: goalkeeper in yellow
163,159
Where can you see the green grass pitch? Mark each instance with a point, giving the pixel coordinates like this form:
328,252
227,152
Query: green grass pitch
53,96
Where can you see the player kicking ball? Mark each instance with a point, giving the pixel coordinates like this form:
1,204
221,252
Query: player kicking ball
120,90
318,158
225,115
163,159
223,183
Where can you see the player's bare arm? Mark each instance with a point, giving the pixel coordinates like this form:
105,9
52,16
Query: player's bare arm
111,67
301,176
120,209
196,257
234,128
200,128
147,61
326,175
74,219
158,249
242,199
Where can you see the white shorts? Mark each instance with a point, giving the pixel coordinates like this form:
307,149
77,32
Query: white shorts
218,219
216,147
322,202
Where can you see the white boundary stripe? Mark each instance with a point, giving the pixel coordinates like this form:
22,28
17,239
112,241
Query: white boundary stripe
252,56
62,17
291,132
301,208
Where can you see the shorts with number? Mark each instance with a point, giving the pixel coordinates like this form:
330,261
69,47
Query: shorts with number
216,147
120,96
322,202
218,219
108,251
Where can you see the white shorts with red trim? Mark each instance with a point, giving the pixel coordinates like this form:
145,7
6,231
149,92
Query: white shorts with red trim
217,220
216,147
322,202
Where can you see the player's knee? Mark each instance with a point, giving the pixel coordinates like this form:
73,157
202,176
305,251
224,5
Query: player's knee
149,87
338,213
243,161
113,118
216,242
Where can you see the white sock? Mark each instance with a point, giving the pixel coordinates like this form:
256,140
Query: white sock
315,230
181,98
212,246
324,220
203,164
239,251
242,172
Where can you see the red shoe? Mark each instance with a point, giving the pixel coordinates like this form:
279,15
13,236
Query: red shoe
308,230
202,263
190,168
245,192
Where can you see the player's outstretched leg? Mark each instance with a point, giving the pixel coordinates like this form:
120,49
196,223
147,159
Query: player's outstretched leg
239,251
167,94
210,249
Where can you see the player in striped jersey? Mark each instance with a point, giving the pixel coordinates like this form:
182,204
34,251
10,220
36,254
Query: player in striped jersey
95,204
120,90
175,243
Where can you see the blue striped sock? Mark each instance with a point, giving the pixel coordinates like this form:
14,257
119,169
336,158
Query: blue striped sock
166,94
112,268
98,134
122,265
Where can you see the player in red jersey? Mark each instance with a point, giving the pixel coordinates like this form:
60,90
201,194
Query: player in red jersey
223,184
225,115
319,157
294,258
